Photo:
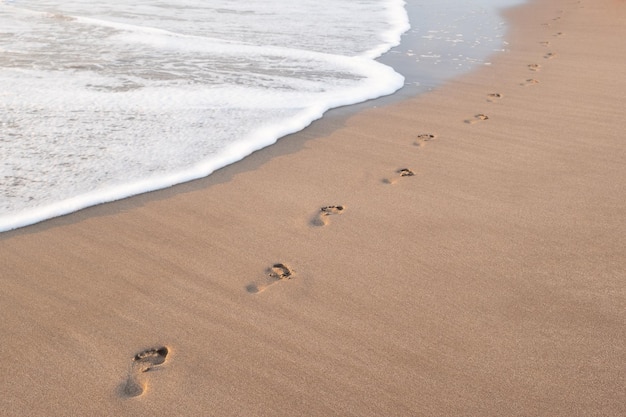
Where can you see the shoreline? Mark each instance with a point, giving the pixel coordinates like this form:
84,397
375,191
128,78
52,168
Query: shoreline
489,282
402,58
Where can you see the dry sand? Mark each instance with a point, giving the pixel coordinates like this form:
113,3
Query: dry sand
489,283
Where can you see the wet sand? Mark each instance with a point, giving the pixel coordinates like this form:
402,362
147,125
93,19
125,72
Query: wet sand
458,253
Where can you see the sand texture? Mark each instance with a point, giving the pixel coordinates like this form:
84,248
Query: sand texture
461,253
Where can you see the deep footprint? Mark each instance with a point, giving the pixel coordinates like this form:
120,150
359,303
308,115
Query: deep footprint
276,273
328,210
423,138
151,357
321,219
143,362
280,271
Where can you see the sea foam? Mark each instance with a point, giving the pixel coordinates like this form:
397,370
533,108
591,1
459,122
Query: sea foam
103,101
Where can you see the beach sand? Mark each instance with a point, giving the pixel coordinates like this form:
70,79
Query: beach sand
491,282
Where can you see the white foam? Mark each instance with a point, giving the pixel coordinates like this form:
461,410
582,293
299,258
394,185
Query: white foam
104,101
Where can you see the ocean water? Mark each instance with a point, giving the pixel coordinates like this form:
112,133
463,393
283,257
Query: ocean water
100,101
446,39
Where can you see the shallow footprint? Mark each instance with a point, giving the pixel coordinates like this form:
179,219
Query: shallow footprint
545,43
550,55
321,219
492,97
534,67
274,274
477,118
143,362
530,81
423,138
404,172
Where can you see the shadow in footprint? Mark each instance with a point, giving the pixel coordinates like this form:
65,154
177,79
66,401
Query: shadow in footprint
477,118
321,219
423,138
274,274
404,172
142,362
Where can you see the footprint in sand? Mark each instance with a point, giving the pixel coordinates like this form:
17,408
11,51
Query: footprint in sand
550,55
404,172
558,34
492,97
321,219
477,118
545,43
143,362
276,273
530,81
534,67
424,138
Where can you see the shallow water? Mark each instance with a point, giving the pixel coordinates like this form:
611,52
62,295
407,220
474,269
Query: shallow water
447,38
